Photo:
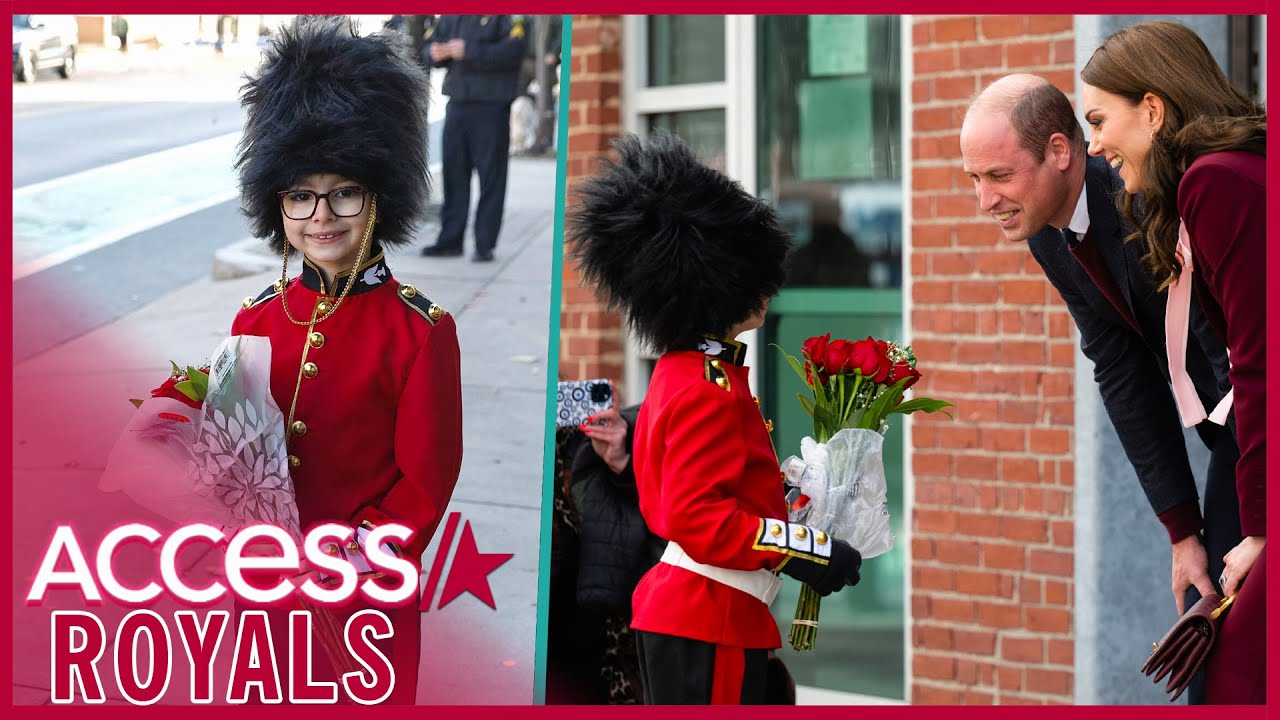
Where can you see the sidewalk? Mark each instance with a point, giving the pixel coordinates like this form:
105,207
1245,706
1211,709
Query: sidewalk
501,309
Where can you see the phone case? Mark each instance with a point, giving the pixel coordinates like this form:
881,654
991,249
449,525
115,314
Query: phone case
577,400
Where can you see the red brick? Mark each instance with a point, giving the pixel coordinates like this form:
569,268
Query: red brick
1056,592
1029,590
932,291
1023,353
962,205
1026,529
962,87
1062,652
1005,262
1009,677
937,351
977,582
1045,24
1019,412
952,610
987,55
921,92
1018,700
1063,355
926,119
932,61
1049,682
942,522
977,353
921,32
964,322
1004,440
923,463
1028,54
933,666
1064,52
978,412
997,383
1057,385
999,615
977,467
955,29
933,178
975,642
1049,441
932,578
966,672
1006,557
1018,470
978,525
1002,26
1024,292
939,147
920,606
922,694
974,697
977,234
1063,533
1050,620
957,552
1061,412
1063,79
954,263
1048,562
933,637
1020,649
1062,326
975,292
957,438
930,236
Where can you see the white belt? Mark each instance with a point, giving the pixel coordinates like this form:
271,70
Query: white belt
760,584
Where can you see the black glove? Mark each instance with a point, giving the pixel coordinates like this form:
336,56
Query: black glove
841,569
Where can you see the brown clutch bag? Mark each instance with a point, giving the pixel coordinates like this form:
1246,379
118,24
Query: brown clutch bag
1184,648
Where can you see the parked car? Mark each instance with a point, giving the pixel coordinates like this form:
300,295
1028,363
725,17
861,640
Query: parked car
42,42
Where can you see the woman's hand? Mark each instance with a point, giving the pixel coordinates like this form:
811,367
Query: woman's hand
1239,561
608,433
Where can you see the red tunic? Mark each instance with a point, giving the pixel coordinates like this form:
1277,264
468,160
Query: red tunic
376,432
707,473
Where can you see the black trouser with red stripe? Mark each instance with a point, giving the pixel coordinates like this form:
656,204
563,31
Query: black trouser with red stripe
680,671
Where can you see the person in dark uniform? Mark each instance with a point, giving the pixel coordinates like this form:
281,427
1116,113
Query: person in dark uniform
1063,204
483,54
692,260
333,165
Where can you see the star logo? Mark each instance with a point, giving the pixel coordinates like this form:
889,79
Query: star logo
469,572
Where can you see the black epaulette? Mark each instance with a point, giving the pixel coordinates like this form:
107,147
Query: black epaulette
420,303
264,296
713,371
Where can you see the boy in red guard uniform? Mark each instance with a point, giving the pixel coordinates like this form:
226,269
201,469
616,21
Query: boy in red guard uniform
333,165
692,260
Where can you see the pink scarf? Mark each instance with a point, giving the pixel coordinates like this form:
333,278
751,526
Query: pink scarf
1176,326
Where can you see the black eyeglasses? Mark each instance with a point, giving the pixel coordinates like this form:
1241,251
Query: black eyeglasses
345,201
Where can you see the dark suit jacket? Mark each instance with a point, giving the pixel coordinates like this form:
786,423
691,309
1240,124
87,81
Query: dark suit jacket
1121,320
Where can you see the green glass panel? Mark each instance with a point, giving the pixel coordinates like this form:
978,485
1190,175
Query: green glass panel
685,49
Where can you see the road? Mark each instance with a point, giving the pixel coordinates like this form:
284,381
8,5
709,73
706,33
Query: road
118,170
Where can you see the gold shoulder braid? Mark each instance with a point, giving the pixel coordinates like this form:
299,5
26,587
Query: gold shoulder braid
713,370
351,279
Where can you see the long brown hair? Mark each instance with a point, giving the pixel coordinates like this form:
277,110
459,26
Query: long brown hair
1203,114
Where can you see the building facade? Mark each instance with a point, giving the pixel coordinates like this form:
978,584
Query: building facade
1029,567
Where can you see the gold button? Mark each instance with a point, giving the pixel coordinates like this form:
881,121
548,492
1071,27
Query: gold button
715,364
353,547
310,369
278,286
801,533
298,427
408,291
768,425
323,307
248,303
295,462
330,549
436,312
722,382
315,339
821,537
757,401
775,530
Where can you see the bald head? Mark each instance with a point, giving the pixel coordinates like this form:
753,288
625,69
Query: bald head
1036,110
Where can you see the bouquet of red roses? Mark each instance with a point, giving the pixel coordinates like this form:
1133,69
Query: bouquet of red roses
838,484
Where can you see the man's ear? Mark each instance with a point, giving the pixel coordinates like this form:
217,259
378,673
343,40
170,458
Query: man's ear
1059,151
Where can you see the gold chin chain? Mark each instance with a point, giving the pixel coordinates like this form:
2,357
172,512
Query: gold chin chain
351,280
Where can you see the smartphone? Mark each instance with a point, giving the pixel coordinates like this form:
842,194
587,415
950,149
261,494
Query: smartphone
577,400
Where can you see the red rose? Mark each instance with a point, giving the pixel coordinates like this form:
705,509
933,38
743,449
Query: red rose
902,369
815,348
872,358
169,390
839,357
808,375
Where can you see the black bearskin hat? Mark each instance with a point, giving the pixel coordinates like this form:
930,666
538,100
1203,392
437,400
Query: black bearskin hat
326,100
681,249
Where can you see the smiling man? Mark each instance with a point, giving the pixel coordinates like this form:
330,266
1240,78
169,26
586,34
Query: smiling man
1025,153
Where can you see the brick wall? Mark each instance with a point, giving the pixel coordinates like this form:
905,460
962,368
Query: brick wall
992,546
590,337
